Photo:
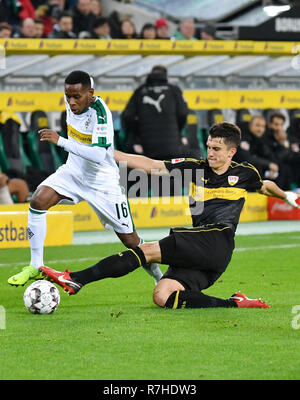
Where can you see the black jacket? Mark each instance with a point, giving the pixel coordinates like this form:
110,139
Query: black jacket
156,114
256,151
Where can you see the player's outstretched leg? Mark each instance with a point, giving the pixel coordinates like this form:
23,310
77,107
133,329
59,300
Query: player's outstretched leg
27,273
36,233
132,239
197,299
110,267
242,300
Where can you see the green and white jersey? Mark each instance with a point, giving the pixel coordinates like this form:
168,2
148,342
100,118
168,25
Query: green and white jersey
94,128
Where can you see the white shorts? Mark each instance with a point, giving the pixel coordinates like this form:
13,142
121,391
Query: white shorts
112,210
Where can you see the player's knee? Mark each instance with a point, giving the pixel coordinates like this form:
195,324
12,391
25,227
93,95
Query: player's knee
161,294
160,298
164,290
37,202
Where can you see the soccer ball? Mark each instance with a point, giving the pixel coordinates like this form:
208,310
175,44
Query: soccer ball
41,297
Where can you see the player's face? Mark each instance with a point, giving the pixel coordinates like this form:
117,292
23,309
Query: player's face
78,97
219,154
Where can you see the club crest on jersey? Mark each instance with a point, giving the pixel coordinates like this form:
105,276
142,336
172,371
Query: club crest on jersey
232,180
177,160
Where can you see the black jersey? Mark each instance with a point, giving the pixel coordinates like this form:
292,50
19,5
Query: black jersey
217,199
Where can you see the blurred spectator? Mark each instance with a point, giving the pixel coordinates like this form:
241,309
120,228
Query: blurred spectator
10,187
288,155
276,121
83,18
148,32
27,9
115,25
186,30
57,3
27,29
96,8
254,149
101,29
162,29
208,32
128,30
5,197
155,117
5,30
64,27
39,28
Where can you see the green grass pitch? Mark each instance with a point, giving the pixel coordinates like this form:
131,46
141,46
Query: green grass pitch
112,330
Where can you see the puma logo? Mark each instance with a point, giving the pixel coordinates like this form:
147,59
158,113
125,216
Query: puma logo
155,103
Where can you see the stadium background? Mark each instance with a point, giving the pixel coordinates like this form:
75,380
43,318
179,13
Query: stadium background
230,78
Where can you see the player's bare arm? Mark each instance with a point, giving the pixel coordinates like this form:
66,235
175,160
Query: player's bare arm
269,188
141,162
48,135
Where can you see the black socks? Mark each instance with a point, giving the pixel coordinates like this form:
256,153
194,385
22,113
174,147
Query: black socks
111,267
195,299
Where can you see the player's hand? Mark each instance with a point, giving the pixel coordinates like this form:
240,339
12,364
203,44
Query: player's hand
291,198
47,135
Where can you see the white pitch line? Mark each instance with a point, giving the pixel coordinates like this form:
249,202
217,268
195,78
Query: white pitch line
66,261
281,246
20,263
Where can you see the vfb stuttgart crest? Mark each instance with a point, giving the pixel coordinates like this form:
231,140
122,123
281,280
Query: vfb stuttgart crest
232,180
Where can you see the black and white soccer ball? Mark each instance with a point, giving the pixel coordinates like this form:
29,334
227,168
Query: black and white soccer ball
41,297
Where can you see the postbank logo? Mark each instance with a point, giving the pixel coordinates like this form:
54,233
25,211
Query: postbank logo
154,212
9,101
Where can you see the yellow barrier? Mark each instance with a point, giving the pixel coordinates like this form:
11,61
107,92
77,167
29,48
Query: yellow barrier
146,47
13,229
196,99
159,212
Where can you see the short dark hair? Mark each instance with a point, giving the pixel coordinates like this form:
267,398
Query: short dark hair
79,77
276,115
64,14
99,21
5,25
230,132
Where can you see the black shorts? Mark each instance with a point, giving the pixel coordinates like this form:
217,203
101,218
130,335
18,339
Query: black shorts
197,256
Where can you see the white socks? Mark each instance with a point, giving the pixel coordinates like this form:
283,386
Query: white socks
37,229
152,268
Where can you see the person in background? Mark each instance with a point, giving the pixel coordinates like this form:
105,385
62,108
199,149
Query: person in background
27,29
10,187
101,29
96,8
148,32
5,197
5,30
208,32
64,27
288,156
128,29
254,149
186,30
83,18
162,29
39,28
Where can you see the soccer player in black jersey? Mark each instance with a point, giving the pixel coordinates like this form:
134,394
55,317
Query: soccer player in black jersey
197,256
